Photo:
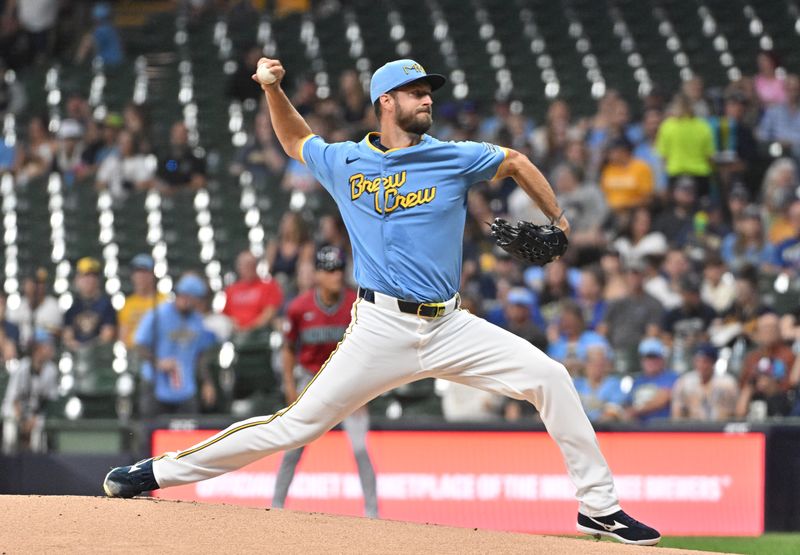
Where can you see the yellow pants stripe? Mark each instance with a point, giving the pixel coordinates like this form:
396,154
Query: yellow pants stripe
284,410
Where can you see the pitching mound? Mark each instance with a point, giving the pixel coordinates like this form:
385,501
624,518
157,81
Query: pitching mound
38,524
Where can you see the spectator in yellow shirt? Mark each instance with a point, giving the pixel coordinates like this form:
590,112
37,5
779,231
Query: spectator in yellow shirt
686,143
627,182
145,297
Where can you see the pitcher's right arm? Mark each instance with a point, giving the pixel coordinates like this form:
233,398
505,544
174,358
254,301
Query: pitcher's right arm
290,127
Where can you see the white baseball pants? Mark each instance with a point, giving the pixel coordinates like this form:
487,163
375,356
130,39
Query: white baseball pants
383,349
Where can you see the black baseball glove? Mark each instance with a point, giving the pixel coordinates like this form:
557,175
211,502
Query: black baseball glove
531,243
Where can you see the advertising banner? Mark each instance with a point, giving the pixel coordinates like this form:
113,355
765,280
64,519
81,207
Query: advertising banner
681,483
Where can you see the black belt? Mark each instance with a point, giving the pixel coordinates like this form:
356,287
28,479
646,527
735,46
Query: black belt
426,310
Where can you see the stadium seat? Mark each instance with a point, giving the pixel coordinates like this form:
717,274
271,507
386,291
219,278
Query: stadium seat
96,381
254,379
419,399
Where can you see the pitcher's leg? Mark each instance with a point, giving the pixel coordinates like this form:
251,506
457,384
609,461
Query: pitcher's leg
357,371
357,425
482,355
285,476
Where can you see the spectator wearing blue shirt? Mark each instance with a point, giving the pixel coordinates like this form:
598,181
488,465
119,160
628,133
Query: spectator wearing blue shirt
91,319
103,40
518,317
570,341
8,155
747,243
601,394
646,149
172,342
590,297
781,122
787,253
651,393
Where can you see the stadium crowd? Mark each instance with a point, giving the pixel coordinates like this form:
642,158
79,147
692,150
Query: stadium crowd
677,298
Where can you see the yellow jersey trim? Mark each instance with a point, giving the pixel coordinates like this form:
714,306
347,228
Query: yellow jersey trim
281,412
302,144
505,155
376,149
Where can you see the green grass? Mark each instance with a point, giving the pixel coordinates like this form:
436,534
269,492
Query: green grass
768,544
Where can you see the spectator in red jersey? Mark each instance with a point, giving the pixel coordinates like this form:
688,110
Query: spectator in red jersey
251,302
316,321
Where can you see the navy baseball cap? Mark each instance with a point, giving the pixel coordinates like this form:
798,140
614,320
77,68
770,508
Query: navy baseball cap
707,350
330,259
398,73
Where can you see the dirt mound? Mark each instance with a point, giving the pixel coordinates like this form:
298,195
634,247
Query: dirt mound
37,524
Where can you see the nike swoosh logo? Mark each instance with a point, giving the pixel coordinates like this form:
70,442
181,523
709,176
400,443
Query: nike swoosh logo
133,468
350,161
609,527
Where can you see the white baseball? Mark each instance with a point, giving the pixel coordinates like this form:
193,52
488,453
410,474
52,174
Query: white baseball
265,76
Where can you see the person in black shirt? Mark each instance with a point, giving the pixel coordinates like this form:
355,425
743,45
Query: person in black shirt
91,318
685,326
178,166
240,84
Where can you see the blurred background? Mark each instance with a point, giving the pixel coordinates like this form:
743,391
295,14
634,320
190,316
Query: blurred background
139,167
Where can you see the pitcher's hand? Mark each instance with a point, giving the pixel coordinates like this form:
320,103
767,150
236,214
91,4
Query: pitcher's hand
274,67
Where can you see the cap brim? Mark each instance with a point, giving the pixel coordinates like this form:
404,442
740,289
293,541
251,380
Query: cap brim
435,80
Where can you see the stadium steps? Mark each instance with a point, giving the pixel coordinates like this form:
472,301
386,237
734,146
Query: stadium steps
231,231
651,45
378,46
33,224
130,223
526,74
781,25
180,232
331,31
575,89
703,59
731,21
593,15
80,220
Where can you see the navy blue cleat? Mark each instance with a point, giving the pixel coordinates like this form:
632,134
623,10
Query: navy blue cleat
130,481
618,526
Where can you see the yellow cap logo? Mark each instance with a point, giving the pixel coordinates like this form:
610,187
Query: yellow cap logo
416,67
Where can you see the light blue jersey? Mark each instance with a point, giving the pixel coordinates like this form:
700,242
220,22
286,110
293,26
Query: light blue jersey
170,334
404,208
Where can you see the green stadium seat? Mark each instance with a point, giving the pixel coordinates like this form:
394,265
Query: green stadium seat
95,381
253,376
419,399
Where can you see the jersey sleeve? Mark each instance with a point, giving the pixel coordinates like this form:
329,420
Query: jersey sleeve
292,329
320,157
480,160
271,294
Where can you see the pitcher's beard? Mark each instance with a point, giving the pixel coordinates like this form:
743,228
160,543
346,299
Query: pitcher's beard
413,123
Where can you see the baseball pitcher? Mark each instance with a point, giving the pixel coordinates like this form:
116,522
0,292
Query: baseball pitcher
403,197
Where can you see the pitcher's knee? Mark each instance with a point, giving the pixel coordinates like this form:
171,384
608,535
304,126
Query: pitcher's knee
304,437
558,373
